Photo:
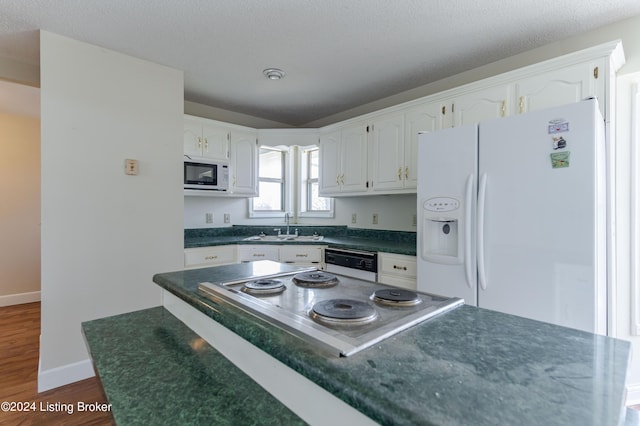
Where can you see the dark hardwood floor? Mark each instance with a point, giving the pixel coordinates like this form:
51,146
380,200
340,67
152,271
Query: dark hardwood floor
19,352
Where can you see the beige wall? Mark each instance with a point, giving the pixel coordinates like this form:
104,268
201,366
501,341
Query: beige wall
19,209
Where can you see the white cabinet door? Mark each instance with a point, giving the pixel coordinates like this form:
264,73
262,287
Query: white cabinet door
215,141
307,255
353,149
570,84
424,118
397,269
244,163
330,163
387,167
192,138
493,102
205,138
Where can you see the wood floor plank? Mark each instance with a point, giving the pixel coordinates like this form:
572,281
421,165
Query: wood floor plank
19,353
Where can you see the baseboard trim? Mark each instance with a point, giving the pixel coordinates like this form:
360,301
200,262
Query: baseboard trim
20,298
60,376
633,394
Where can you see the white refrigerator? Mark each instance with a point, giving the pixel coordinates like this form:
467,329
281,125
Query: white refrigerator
512,215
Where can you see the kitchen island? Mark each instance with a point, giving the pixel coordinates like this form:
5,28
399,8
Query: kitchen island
467,366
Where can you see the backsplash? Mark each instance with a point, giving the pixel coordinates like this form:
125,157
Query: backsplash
393,212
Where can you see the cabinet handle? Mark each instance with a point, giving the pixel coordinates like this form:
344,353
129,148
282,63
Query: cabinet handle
444,110
302,255
406,173
504,108
199,142
521,104
596,72
338,179
206,143
402,268
210,257
258,254
342,179
400,173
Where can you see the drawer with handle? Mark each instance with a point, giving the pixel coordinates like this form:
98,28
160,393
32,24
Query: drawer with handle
209,256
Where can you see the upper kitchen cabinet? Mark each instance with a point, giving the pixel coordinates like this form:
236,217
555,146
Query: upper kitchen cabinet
343,160
478,105
569,84
387,167
426,117
244,162
205,138
330,163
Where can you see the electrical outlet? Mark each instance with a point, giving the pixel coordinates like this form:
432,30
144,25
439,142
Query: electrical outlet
208,217
354,218
374,219
227,218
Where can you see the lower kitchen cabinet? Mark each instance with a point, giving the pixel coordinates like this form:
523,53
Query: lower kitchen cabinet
398,270
249,253
303,255
202,257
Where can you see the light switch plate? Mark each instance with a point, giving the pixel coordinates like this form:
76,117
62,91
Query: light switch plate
131,167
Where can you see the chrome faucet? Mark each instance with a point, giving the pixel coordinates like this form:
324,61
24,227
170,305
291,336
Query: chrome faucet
286,219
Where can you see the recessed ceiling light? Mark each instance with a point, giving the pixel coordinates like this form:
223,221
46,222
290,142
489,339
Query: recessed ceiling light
273,73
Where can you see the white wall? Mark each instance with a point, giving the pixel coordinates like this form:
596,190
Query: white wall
19,209
623,301
104,234
395,212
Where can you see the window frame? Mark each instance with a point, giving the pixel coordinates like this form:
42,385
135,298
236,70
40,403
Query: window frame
284,185
304,208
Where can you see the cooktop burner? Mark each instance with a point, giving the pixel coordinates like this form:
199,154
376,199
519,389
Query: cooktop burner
315,279
343,311
264,287
339,313
396,297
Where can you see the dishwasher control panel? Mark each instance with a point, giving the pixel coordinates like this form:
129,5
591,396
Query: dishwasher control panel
354,259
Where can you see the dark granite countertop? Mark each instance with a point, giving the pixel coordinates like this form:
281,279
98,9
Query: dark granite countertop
155,370
335,236
469,366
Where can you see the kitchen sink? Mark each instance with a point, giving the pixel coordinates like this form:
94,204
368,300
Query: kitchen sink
284,237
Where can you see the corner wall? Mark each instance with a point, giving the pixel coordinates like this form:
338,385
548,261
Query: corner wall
104,233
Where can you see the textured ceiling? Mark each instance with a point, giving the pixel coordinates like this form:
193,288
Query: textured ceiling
337,54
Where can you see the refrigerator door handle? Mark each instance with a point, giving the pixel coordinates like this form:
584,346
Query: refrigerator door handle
482,192
467,232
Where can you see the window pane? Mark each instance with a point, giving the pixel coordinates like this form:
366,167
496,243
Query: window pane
270,198
313,164
318,203
270,164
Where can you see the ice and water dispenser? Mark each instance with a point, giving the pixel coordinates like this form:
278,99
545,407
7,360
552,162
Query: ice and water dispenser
441,218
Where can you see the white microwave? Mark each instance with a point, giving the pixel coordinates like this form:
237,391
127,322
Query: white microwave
205,174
